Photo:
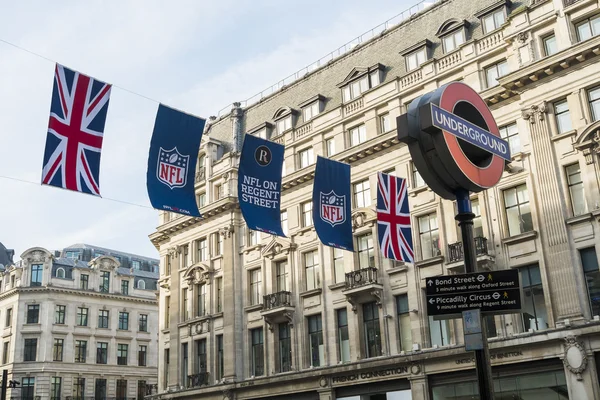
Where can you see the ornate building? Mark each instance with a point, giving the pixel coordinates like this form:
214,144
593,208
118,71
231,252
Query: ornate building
246,315
81,323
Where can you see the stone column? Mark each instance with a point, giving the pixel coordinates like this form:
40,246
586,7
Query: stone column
326,393
232,353
174,345
419,387
553,231
237,129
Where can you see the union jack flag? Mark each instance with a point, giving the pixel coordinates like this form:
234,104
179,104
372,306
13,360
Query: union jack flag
74,141
393,218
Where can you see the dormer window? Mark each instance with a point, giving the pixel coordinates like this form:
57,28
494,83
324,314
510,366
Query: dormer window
493,16
416,55
262,131
284,119
360,80
453,40
284,124
312,107
453,34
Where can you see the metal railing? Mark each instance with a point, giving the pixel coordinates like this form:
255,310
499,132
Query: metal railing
455,250
340,51
361,277
567,3
199,379
278,299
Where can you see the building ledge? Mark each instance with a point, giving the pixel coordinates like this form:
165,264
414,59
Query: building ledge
312,292
560,136
520,238
397,270
430,261
336,286
254,307
579,218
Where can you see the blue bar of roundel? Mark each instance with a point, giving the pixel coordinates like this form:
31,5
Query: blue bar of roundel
172,161
331,204
259,184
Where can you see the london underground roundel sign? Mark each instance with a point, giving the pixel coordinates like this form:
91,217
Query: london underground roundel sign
454,140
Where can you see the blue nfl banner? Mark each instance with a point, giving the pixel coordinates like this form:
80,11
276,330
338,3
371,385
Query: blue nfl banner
172,161
259,184
331,204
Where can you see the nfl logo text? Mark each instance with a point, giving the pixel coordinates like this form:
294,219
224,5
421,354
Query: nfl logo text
172,168
333,208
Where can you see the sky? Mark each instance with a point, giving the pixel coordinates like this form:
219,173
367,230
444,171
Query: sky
197,56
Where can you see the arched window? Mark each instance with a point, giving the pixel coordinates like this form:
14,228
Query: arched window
60,272
141,284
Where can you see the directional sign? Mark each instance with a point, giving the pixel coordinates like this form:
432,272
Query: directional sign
493,280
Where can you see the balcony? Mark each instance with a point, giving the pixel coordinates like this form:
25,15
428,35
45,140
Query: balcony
568,3
277,307
456,256
199,379
363,286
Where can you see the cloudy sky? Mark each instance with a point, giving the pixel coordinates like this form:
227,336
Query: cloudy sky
198,56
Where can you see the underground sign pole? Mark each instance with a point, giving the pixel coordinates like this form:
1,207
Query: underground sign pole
482,357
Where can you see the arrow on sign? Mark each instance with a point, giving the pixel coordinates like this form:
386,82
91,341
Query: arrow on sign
430,282
431,301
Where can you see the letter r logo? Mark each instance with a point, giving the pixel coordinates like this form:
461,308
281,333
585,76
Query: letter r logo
263,156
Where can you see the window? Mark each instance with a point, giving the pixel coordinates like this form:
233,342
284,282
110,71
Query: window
168,264
201,246
306,209
27,388
5,352
80,351
218,244
594,95
439,332
102,318
60,272
201,364
282,273
142,355
78,388
343,339
385,123
261,133
33,313
59,315
588,27
8,321
219,192
82,316
311,268
122,350
372,333
201,200
83,281
123,321
453,40
36,275
184,365
100,389
283,217
167,311
494,72
141,284
57,349
518,211
315,340
135,264
184,304
330,147
359,86
417,180
550,45
511,135
533,304
306,157
141,390
578,203
101,353
358,135
201,299
219,287
284,124
104,281
220,366
563,116
285,347
310,111
415,59
589,262
166,366
255,286
257,357
30,350
125,287
73,255
121,389
253,237
493,21
429,236
362,193
338,265
366,252
404,330
477,227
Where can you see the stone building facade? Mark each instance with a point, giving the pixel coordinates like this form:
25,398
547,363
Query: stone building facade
81,323
245,315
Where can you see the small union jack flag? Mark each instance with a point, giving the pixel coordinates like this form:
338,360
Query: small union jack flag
393,218
74,141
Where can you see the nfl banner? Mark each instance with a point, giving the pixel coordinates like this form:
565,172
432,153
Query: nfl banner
331,204
393,218
75,131
172,161
259,184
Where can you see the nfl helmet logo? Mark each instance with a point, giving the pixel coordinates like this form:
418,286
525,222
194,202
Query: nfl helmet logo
333,208
172,168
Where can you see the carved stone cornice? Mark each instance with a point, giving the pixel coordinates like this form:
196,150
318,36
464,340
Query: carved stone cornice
535,112
173,251
575,358
227,231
